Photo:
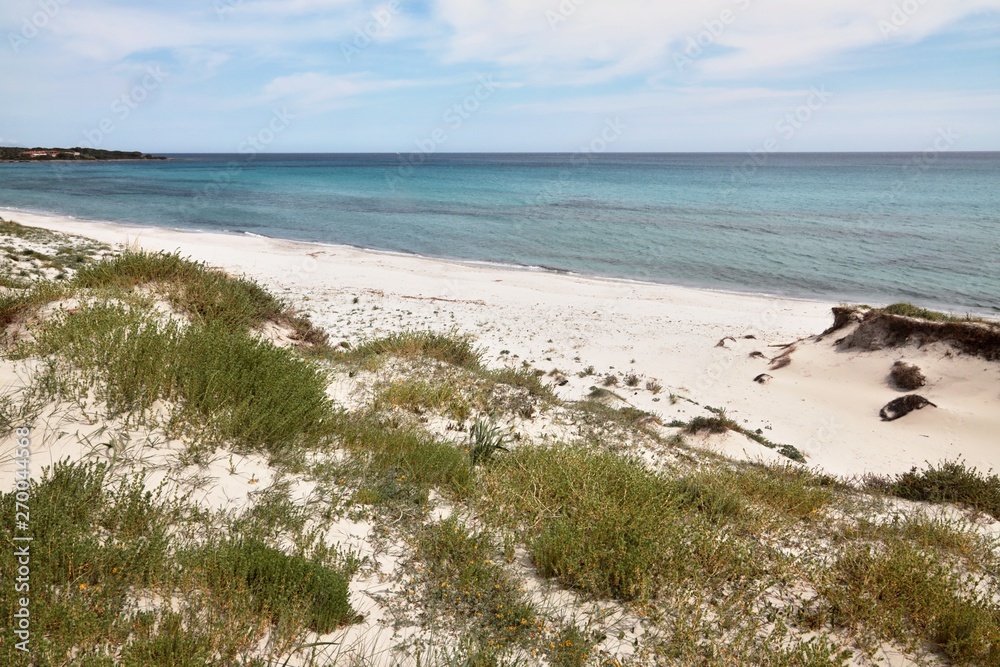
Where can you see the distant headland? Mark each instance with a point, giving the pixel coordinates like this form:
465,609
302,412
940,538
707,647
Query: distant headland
16,154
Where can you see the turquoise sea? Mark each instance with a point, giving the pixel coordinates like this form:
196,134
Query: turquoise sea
872,227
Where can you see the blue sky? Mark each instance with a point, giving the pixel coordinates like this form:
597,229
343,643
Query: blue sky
500,75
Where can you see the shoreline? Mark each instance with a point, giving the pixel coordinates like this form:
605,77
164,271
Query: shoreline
705,348
138,228
661,345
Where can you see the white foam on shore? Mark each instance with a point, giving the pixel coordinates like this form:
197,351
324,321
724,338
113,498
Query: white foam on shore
136,227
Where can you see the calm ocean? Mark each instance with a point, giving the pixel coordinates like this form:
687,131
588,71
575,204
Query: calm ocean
868,227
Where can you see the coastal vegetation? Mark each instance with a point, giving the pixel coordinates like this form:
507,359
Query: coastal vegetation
948,482
16,154
903,324
227,486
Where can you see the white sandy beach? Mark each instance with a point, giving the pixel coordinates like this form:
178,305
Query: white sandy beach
825,403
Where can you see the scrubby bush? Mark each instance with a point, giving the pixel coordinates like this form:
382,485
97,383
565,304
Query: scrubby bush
950,482
907,376
278,582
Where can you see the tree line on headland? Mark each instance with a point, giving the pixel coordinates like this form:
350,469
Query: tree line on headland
77,153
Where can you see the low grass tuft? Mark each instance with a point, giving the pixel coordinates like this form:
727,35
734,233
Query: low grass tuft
485,440
717,424
909,310
949,482
898,592
721,423
608,526
420,396
450,348
410,456
206,295
465,576
523,378
596,411
226,385
278,583
15,305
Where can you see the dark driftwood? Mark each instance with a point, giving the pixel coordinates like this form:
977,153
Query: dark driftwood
902,406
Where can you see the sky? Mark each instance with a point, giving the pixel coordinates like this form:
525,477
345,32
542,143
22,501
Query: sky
239,76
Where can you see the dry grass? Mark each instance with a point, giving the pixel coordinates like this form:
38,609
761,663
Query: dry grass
907,376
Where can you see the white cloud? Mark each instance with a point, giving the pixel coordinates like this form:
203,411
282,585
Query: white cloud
581,41
290,7
106,33
318,91
205,62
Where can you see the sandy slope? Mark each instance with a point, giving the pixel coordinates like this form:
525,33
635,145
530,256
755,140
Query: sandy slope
825,403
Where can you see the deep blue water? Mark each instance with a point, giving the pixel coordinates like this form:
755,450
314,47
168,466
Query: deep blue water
844,227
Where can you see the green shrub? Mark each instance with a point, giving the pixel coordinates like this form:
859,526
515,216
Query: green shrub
250,391
485,439
898,592
950,482
166,641
571,648
464,577
606,525
95,542
788,489
280,584
226,385
401,451
449,348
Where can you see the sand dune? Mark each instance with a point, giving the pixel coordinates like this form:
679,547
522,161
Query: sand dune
825,402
